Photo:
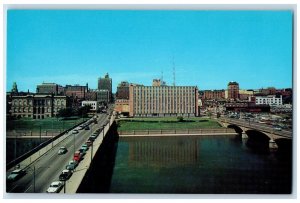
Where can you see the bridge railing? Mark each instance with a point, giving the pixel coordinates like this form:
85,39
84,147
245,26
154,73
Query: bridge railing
257,126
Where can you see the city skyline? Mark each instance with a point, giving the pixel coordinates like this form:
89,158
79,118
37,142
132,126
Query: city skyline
208,48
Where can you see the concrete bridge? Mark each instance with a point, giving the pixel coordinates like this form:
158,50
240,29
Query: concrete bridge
45,165
261,131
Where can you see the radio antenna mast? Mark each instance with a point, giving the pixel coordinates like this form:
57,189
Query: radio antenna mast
173,64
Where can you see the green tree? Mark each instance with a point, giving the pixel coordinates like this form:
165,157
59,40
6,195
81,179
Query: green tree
83,111
67,112
180,119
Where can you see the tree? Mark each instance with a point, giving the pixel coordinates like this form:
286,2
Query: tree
83,111
209,114
180,119
67,112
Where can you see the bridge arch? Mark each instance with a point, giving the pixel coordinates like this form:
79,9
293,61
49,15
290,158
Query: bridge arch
236,128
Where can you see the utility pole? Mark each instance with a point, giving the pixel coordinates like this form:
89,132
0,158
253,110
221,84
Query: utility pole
40,134
91,153
34,178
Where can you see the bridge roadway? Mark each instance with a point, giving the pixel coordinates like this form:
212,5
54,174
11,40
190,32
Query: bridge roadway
41,173
259,127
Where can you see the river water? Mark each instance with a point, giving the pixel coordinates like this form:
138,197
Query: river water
198,165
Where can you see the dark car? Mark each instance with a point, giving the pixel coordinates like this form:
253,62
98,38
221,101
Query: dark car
65,175
82,151
87,127
16,174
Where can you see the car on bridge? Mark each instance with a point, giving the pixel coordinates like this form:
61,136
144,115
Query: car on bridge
75,131
93,136
15,175
89,143
77,156
55,187
85,147
62,150
65,175
72,165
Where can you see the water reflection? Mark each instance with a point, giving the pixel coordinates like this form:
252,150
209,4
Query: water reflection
197,165
163,152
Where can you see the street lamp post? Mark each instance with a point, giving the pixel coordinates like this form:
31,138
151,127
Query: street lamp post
91,153
103,131
65,185
40,134
74,141
34,178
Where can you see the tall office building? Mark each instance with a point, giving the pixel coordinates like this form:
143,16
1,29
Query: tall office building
105,84
147,101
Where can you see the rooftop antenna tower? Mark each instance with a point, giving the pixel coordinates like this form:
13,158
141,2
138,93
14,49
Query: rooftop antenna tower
173,64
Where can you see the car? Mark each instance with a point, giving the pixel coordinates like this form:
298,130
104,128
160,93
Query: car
77,156
16,174
62,150
98,130
80,127
55,187
93,136
82,151
65,175
85,147
277,128
75,131
87,127
72,165
89,143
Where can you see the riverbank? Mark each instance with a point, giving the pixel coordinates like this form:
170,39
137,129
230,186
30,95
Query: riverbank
169,123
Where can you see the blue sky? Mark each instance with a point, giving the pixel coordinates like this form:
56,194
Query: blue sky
210,48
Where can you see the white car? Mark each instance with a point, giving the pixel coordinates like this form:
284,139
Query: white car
55,187
62,150
75,131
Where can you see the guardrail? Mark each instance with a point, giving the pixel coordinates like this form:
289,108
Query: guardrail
178,131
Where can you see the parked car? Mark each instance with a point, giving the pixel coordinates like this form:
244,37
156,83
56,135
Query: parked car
65,175
82,151
93,136
62,150
16,174
89,143
77,156
55,187
87,127
72,165
85,147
